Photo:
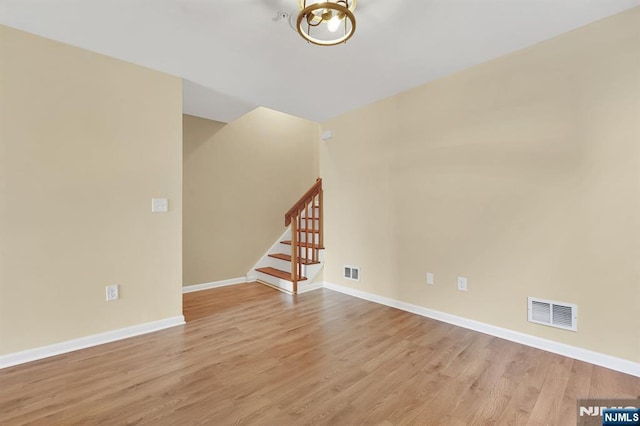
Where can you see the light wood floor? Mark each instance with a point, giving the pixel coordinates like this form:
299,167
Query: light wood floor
251,355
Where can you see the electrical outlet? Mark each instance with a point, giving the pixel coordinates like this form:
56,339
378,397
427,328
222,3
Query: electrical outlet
462,284
429,278
113,292
159,205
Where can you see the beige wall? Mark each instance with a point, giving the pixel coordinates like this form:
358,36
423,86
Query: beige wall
239,180
522,174
85,142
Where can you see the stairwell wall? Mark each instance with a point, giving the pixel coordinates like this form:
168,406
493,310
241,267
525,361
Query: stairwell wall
521,174
240,179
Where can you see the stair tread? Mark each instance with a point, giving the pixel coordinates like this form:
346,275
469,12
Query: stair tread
287,257
283,275
305,230
303,244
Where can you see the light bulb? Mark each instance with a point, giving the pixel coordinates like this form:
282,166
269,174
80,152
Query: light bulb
333,24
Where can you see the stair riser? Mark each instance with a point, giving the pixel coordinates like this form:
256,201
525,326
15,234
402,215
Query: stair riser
274,281
284,265
303,286
282,248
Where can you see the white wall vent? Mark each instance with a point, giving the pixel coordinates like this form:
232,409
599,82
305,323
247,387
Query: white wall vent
554,314
352,273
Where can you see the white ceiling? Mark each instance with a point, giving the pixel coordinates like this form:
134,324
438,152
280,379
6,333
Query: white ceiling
233,55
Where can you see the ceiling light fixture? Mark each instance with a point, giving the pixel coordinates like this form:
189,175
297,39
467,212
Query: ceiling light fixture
324,19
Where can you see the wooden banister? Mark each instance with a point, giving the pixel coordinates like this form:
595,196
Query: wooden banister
300,204
311,204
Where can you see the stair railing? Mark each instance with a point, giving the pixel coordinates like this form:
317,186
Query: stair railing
311,204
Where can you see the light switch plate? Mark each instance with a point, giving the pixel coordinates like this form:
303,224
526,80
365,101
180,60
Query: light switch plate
159,205
429,278
462,284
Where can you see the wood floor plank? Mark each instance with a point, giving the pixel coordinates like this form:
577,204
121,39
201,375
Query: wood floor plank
251,355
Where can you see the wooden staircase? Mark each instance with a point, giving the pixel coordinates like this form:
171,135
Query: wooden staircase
296,258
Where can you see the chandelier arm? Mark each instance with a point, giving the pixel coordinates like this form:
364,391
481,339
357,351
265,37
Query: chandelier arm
309,21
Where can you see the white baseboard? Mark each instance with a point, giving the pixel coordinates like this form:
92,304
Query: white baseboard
597,358
215,284
87,341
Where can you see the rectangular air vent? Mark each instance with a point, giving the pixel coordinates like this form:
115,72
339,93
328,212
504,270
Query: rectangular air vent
554,314
352,273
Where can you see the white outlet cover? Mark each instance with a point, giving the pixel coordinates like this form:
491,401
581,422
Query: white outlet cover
429,278
159,205
462,284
